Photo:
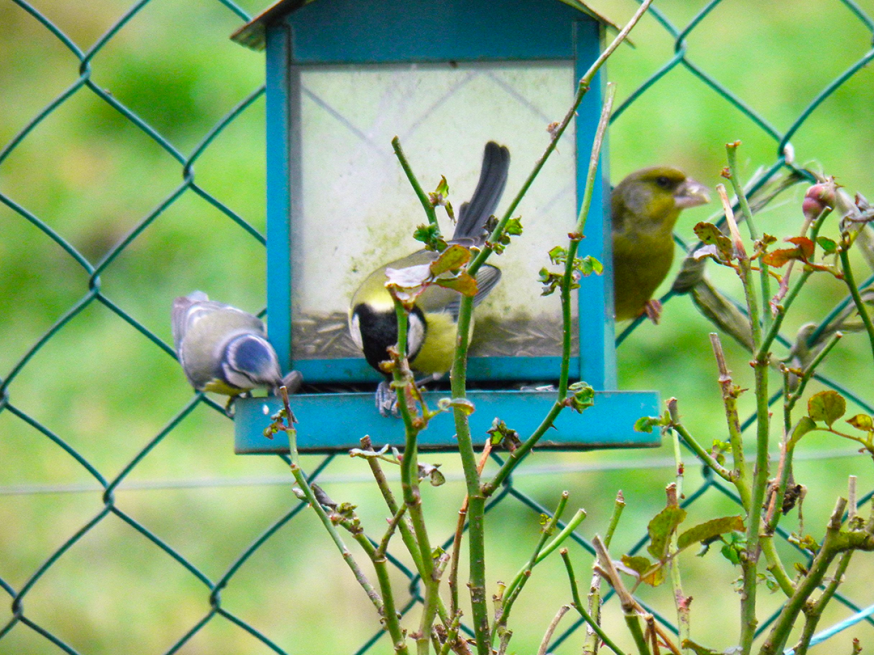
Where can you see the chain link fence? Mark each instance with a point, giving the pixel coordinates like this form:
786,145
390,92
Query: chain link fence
126,525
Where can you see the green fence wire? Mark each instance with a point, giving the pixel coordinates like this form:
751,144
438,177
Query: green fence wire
20,587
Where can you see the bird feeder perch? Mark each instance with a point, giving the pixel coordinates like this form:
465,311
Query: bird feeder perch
343,78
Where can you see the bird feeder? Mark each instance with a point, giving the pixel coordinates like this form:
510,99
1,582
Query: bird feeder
343,78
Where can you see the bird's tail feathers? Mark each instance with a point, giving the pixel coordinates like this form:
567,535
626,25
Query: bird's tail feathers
472,216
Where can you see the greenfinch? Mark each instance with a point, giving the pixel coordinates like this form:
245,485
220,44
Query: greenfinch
645,207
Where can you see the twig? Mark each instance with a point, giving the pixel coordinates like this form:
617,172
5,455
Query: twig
430,212
304,484
547,637
729,399
591,644
629,605
459,531
591,622
781,627
731,150
410,481
690,441
524,574
681,601
477,495
850,281
567,283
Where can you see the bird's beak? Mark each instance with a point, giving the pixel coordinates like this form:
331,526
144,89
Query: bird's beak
691,194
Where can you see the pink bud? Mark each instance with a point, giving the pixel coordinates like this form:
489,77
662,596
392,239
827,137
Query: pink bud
819,197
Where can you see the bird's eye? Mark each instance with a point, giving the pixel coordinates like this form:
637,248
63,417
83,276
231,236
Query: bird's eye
663,182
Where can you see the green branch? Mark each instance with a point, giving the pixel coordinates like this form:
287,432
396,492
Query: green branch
430,212
857,297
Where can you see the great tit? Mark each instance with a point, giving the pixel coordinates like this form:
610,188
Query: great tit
224,349
432,322
644,207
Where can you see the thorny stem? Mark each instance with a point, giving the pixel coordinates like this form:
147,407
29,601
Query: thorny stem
813,612
629,605
430,212
729,399
591,644
731,150
591,621
567,283
582,88
516,456
389,614
518,582
404,525
690,441
828,550
459,531
410,483
681,601
750,559
566,286
810,370
857,297
304,484
458,376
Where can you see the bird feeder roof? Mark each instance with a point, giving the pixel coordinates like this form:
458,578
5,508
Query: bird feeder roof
253,34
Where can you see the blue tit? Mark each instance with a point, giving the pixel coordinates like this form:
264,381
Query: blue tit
432,322
224,349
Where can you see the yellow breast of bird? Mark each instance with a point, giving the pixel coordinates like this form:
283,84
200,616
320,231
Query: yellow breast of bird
438,349
640,262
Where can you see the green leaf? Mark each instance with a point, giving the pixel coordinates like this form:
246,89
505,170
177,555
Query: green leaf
660,529
451,259
558,255
713,236
646,571
862,422
583,396
550,281
430,236
647,423
514,227
443,187
710,529
804,425
826,406
806,542
501,434
828,245
464,283
637,563
588,265
734,544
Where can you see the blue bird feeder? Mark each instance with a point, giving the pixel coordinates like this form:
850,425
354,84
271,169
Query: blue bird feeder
343,78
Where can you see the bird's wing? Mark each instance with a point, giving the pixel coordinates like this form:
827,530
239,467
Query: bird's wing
486,279
180,315
473,215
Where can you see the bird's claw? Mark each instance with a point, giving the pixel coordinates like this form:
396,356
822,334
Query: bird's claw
653,310
387,400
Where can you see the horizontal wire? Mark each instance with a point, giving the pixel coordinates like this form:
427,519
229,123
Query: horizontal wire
33,489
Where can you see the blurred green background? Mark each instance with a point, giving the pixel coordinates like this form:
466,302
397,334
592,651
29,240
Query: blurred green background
110,394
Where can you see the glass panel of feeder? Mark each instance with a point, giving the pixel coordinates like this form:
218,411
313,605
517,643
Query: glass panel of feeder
353,209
